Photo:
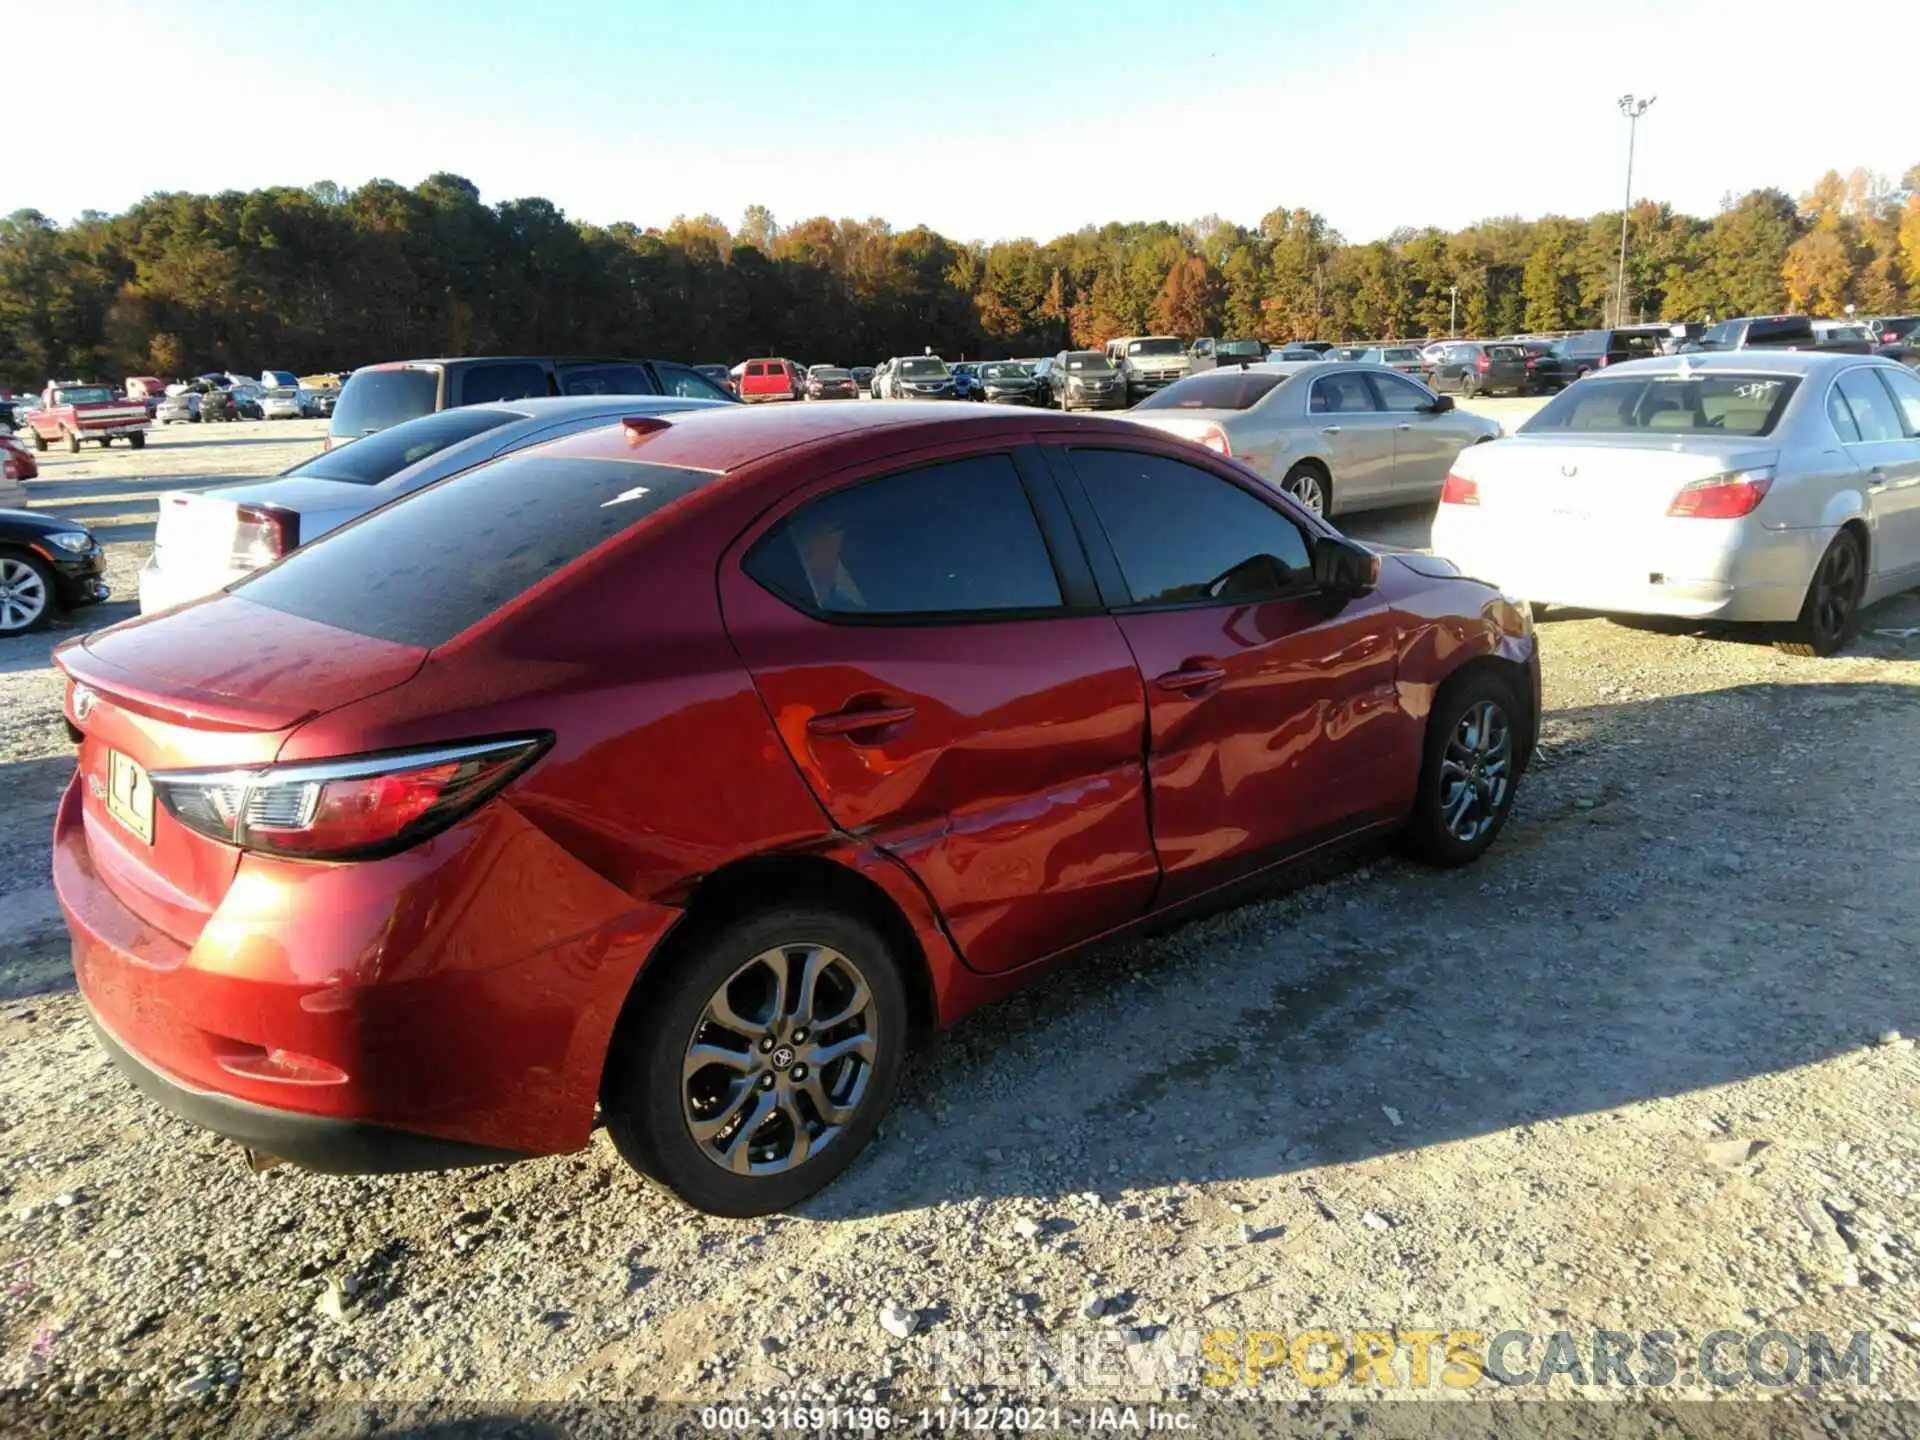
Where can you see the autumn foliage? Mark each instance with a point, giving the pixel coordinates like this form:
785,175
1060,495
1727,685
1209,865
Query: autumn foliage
320,278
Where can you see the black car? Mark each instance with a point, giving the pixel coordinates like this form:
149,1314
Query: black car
1006,382
831,382
1479,367
376,396
47,565
863,378
1592,350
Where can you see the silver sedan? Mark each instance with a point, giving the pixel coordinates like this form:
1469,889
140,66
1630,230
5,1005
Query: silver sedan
1337,437
1773,486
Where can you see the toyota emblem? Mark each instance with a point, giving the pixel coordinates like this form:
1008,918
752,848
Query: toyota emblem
1569,471
83,702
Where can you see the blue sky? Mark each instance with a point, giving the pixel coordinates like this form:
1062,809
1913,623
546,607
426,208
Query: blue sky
980,118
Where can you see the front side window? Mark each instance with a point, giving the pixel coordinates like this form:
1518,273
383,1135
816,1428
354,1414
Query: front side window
1341,394
1184,536
1400,396
954,539
1871,405
687,383
1906,394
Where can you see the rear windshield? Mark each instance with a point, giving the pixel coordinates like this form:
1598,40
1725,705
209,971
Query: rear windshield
1156,347
1241,349
922,367
86,394
1744,405
1214,390
378,457
420,572
374,399
1505,352
829,372
1401,352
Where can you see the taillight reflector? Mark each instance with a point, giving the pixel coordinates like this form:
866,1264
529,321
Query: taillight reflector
1482,363
1722,497
1459,490
357,808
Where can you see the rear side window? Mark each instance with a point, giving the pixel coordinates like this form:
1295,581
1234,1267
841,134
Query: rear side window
372,400
605,380
420,572
376,458
516,380
1183,536
954,539
1214,390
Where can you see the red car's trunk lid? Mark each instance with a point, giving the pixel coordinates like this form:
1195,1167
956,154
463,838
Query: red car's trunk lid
213,686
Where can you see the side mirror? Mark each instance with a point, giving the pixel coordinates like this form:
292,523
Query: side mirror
1340,567
1441,405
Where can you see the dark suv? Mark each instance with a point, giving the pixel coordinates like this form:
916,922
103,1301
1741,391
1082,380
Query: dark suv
1592,350
377,396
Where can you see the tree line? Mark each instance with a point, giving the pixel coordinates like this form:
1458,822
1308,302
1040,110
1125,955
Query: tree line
321,278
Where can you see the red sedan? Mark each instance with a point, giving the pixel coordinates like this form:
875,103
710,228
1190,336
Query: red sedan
692,766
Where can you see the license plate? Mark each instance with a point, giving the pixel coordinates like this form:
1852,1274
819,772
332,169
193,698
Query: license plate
130,795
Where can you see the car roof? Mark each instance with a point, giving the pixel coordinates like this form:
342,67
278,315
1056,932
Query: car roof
743,435
1747,362
563,407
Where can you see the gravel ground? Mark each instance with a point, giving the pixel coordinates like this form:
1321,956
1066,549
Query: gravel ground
1638,1070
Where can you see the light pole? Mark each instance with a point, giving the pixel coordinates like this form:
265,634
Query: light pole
1633,109
1453,311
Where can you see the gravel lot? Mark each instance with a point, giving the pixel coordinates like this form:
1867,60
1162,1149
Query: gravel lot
1636,1071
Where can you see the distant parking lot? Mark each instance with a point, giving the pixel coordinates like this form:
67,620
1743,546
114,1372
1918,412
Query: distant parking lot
1641,1069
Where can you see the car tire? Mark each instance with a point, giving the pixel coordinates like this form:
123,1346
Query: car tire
1830,614
652,1101
1474,754
39,441
1469,387
138,442
28,585
73,443
1310,487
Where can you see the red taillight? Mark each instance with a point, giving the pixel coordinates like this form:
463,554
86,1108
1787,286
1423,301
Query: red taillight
1459,490
1722,497
1601,362
1215,439
1482,363
262,534
345,809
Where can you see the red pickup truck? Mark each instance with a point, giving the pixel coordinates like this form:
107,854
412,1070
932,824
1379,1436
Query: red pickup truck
73,410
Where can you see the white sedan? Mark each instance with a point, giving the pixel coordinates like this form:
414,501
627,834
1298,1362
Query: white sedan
281,404
1777,487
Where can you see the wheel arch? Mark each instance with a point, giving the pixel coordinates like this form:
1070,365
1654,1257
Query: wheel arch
760,882
1511,673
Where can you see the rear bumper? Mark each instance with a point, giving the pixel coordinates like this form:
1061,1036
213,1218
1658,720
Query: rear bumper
313,1142
448,1005
1731,570
161,589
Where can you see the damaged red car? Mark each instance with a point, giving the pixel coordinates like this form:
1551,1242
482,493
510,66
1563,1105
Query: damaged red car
687,770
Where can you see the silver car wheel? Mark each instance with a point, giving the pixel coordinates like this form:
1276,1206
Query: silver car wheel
1476,771
1307,489
780,1060
23,595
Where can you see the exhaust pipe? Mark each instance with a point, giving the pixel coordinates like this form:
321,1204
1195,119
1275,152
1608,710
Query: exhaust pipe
259,1162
